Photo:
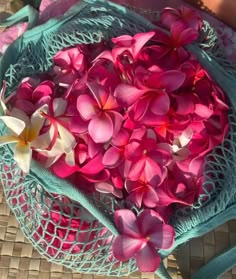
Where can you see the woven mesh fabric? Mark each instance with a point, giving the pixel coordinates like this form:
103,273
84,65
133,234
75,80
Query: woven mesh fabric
75,237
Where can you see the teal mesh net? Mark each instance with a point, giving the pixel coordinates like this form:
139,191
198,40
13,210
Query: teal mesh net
79,229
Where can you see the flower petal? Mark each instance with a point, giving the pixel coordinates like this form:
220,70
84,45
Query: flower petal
160,105
68,140
23,155
86,106
162,236
127,94
148,259
100,128
125,247
37,120
59,106
140,40
125,221
8,139
15,125
112,157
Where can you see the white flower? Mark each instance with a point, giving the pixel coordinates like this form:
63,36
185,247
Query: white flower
25,131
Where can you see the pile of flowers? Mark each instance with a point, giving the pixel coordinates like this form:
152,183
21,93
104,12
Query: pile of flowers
133,117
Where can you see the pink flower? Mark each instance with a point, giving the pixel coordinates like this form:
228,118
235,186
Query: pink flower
188,17
100,110
127,47
88,163
151,94
142,193
143,157
32,94
140,237
170,47
70,64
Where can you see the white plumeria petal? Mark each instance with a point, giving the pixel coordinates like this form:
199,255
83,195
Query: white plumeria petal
43,141
21,115
8,139
68,140
59,106
70,158
56,150
185,137
2,101
14,124
37,121
22,156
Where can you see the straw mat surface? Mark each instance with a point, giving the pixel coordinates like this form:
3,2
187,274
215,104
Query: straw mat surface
19,260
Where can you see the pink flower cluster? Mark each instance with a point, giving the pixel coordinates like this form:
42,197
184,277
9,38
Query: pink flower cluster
135,118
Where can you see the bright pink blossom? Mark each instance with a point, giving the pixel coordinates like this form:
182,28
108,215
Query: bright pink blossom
32,94
70,64
100,109
141,237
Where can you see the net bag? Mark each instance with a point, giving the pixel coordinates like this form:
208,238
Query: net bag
77,230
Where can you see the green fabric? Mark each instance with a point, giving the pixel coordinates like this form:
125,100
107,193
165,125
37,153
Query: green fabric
28,13
34,198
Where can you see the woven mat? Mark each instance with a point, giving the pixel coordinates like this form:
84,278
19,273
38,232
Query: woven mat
19,260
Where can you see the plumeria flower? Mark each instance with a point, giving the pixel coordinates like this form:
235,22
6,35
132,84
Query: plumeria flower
185,15
141,237
25,132
100,110
151,92
31,95
70,64
141,192
171,47
127,46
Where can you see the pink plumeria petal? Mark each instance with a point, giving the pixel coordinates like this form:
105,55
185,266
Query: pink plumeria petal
62,169
117,120
100,128
162,236
183,36
127,94
168,81
99,93
161,104
25,106
93,166
148,259
86,107
203,111
112,157
136,170
125,221
150,197
44,89
123,40
125,247
140,40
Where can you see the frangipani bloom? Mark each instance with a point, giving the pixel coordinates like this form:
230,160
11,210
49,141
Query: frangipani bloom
25,132
100,110
188,17
140,237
